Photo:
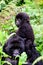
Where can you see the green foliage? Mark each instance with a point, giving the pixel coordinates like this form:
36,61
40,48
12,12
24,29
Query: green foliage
38,31
2,4
7,1
3,36
19,2
22,58
2,54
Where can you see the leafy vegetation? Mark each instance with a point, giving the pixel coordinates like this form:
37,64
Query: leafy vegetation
8,10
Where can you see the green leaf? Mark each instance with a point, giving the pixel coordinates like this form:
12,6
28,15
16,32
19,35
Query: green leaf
22,58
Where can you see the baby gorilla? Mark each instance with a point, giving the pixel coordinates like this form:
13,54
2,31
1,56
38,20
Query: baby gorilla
25,30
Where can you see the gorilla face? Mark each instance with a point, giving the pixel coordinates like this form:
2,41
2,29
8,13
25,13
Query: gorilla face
21,18
17,48
14,45
18,22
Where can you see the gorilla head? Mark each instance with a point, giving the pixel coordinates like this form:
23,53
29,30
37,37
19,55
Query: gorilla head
21,18
14,46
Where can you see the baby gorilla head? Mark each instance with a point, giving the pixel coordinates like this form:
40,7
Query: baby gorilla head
21,18
14,46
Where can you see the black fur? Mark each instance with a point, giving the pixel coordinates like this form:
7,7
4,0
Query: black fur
14,45
25,30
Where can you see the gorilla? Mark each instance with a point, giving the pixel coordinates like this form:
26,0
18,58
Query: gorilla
14,46
25,30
